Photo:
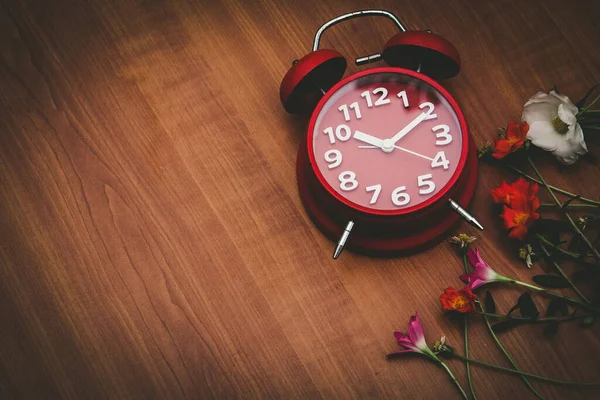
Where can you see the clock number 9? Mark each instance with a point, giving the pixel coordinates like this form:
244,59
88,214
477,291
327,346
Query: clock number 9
348,181
443,137
342,132
333,158
400,198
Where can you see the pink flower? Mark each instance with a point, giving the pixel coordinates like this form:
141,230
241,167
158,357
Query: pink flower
414,342
482,273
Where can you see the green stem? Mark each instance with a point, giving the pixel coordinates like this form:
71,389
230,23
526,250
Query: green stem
564,276
464,395
505,352
589,105
553,294
573,224
512,371
575,256
467,365
559,190
534,321
571,205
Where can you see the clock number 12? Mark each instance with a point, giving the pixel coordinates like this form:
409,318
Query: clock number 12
380,101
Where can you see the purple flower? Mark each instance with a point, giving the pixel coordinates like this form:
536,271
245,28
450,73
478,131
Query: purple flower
482,273
414,342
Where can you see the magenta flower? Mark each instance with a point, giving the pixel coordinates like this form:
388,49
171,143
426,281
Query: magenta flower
414,342
482,273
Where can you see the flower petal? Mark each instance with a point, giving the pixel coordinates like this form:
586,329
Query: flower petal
541,97
567,114
540,109
416,333
475,257
564,100
569,151
508,216
518,233
543,135
402,339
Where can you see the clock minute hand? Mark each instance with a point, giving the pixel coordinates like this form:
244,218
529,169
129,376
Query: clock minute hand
421,117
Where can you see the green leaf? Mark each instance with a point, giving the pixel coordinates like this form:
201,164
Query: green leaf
585,275
551,281
590,158
588,321
550,329
582,101
505,325
515,308
527,306
548,226
557,306
566,203
490,305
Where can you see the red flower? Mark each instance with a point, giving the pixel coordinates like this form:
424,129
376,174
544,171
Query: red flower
462,300
504,193
521,216
516,134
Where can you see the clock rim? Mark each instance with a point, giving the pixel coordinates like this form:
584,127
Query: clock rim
402,71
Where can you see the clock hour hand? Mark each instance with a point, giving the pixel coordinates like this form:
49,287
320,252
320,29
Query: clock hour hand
372,140
421,117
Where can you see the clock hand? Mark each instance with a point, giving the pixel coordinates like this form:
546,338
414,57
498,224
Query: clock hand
399,148
421,117
372,140
413,153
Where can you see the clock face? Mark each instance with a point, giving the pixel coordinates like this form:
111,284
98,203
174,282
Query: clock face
388,142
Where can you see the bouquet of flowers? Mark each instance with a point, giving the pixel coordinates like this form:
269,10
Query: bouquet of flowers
550,232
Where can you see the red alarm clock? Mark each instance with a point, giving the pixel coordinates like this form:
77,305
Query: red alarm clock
387,155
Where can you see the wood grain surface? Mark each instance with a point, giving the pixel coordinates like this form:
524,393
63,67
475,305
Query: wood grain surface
153,243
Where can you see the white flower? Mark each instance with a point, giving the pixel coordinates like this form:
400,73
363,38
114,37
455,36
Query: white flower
553,126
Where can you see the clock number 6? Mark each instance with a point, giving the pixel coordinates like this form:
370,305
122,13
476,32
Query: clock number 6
342,132
443,137
348,181
424,180
400,198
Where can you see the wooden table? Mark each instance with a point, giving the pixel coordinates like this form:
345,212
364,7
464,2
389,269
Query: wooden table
153,243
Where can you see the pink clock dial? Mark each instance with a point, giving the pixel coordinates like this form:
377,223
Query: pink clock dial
387,142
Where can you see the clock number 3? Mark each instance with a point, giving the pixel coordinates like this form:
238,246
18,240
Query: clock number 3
443,137
348,181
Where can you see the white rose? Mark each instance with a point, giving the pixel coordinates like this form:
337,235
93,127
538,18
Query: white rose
553,126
